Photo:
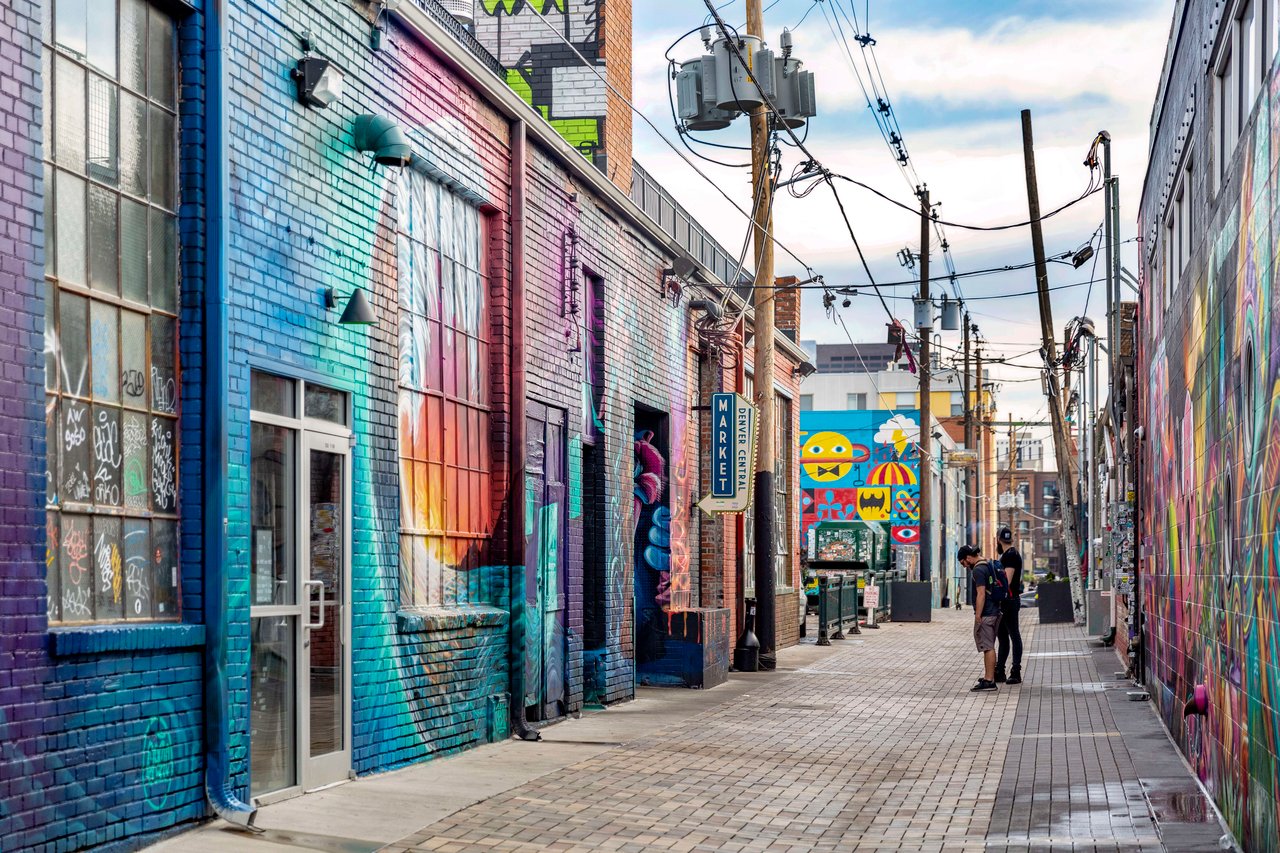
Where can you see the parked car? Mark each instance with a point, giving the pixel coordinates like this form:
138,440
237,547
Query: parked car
1028,598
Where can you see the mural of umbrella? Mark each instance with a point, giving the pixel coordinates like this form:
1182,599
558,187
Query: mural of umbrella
891,474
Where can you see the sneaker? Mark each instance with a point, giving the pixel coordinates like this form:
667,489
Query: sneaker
983,684
1000,679
1015,677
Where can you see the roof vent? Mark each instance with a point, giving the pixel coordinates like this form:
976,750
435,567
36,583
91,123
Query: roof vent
463,10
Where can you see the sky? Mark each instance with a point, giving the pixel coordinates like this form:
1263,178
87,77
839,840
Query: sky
957,75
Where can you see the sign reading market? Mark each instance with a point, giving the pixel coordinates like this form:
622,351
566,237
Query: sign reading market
733,454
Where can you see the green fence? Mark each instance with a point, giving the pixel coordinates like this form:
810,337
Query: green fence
839,603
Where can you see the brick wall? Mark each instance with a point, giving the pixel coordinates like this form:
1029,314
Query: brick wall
1209,464
551,76
100,728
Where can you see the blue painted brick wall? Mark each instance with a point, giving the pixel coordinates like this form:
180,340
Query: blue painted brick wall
100,731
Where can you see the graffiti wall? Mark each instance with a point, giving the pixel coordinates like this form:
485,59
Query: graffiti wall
525,36
861,466
81,696
1210,464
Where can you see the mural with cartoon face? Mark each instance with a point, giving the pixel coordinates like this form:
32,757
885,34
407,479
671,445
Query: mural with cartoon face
861,466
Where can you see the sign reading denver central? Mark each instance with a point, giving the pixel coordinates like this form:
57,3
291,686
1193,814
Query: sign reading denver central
723,484
733,453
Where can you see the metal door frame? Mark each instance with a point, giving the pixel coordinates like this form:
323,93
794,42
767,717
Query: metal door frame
338,439
334,766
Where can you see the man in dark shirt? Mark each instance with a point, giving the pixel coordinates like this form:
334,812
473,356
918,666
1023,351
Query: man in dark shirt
1008,633
986,615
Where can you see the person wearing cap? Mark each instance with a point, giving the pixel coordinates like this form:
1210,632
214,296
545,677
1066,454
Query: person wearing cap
1008,634
986,614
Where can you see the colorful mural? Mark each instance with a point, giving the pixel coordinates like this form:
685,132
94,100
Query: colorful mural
1210,481
861,465
547,73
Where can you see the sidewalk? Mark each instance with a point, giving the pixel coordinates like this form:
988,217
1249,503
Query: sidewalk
872,744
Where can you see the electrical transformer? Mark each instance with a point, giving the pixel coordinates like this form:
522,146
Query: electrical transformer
716,88
696,97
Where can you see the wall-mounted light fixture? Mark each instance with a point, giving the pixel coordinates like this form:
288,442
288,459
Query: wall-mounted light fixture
803,370
384,138
358,311
319,81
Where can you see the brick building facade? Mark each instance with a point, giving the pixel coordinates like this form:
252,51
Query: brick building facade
324,548
1208,367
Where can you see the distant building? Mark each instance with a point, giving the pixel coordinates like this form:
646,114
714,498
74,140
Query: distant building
1029,454
1028,503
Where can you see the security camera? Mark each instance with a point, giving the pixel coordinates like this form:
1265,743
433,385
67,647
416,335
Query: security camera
1140,433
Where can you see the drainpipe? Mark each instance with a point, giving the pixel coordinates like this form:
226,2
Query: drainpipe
217,778
518,396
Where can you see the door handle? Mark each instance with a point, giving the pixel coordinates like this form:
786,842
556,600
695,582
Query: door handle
311,604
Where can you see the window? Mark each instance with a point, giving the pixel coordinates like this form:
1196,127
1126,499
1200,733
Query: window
1178,234
783,457
749,516
111,326
444,404
1270,30
856,402
1225,111
806,402
1249,67
957,404
904,400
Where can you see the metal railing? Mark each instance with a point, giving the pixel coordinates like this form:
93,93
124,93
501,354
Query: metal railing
463,34
839,603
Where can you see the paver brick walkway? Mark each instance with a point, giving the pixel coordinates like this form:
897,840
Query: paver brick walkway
878,746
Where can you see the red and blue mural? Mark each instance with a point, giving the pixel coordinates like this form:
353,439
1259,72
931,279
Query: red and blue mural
861,466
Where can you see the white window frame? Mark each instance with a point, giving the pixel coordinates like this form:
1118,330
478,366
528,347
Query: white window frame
1226,132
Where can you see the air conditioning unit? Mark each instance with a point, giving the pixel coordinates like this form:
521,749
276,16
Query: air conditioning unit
463,10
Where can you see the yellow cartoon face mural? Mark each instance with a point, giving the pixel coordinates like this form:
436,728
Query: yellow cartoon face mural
829,456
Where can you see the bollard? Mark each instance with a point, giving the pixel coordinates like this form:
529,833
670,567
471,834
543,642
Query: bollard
823,584
854,609
839,592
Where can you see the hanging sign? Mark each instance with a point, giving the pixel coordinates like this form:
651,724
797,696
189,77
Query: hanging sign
733,454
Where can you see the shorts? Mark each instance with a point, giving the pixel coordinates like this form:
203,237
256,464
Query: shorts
984,633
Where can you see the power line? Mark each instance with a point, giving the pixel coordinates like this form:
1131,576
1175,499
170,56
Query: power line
594,70
1005,227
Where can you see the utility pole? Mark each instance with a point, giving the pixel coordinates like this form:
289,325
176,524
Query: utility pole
926,390
762,302
1061,446
968,441
980,408
1013,492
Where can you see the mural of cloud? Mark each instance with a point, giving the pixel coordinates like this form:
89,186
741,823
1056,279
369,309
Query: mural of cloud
899,430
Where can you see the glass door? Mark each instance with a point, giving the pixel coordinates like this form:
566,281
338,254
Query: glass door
275,612
300,578
325,678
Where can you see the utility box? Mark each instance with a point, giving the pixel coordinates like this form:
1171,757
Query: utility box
736,89
696,96
1097,612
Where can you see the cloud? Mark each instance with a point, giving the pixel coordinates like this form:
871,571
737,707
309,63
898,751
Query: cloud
898,430
1014,60
957,91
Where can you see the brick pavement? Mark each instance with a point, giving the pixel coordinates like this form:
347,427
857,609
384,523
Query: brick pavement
878,746
873,744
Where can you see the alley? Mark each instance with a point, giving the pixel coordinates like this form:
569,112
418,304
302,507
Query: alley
873,744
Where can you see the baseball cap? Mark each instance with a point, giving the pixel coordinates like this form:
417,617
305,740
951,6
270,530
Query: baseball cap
1005,535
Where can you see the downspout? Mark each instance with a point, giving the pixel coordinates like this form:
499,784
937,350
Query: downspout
518,396
217,778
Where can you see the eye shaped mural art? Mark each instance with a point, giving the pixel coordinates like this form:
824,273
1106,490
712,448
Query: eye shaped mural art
861,466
